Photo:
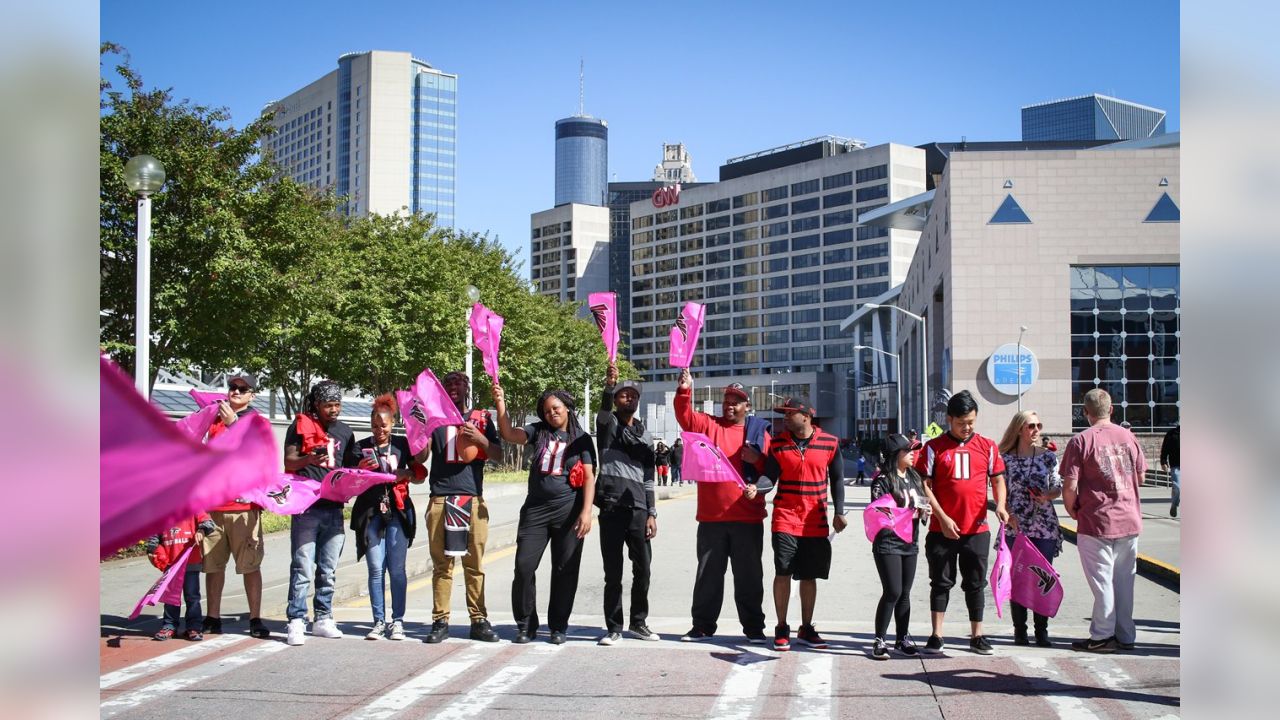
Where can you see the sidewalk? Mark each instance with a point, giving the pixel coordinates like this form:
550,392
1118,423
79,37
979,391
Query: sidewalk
122,582
1159,545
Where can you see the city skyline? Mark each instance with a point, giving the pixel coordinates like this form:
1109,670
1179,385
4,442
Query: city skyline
720,97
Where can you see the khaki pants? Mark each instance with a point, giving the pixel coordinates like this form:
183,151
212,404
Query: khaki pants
442,565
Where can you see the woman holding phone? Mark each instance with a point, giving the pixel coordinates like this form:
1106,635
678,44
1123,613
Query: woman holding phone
556,511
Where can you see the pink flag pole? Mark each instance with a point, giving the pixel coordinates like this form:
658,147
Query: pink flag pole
604,308
684,335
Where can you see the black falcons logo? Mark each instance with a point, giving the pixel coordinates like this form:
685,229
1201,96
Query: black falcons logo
337,477
416,412
281,496
600,312
886,512
1047,580
682,327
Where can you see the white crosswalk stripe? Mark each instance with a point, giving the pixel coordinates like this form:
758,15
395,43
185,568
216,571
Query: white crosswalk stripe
741,688
200,673
1068,707
427,682
475,702
813,699
155,664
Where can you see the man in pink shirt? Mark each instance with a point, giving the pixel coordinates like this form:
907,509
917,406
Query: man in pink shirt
1102,468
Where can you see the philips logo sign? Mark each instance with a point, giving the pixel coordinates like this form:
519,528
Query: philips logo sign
1009,370
666,196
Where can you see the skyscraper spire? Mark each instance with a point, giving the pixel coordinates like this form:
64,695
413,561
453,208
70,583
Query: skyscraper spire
581,89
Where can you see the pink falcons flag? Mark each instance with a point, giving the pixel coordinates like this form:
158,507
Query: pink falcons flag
152,475
704,462
684,336
884,513
604,308
205,399
1000,580
486,333
197,424
424,408
342,484
164,589
286,495
1036,585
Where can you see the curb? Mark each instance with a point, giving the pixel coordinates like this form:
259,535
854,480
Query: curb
1148,566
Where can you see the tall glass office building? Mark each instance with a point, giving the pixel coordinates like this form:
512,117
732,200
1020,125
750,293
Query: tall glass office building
380,130
582,161
1091,117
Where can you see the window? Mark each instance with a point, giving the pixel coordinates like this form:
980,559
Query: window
717,256
806,334
831,257
746,322
691,278
777,337
831,182
804,242
782,354
870,290
718,222
745,200
866,232
691,228
805,278
746,305
836,294
665,217
746,287
776,229
840,217
692,211
836,312
746,358
716,206
745,269
808,352
837,237
804,224
873,270
838,274
746,217
691,261
874,192
774,247
717,239
746,339
746,235
875,250
782,282
807,260
802,188
805,316
776,301
717,325
719,273
804,206
837,199
775,319
776,265
805,297
773,212
878,172
717,342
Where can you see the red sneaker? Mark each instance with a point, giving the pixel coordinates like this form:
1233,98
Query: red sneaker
782,638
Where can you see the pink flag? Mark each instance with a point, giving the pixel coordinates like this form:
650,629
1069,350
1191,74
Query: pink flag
486,330
286,495
684,336
604,307
424,408
704,462
1036,585
885,513
197,424
152,475
204,399
342,484
165,590
1000,580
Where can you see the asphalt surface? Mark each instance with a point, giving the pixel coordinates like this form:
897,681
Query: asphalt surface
235,676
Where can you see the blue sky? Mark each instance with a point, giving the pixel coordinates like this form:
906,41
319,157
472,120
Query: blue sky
725,78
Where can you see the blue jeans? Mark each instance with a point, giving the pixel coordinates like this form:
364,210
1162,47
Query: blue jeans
191,596
385,556
322,528
1175,475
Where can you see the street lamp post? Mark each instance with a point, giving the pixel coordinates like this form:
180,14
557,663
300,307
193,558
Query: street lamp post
1021,329
899,383
473,294
924,360
144,175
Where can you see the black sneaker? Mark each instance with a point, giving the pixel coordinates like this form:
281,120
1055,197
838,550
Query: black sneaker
211,626
906,647
258,629
1106,645
696,635
878,650
809,636
523,637
979,645
755,637
1020,636
481,630
557,637
1123,645
934,646
642,632
439,631
1042,638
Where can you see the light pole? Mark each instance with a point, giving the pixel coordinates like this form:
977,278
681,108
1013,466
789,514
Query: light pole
1021,329
473,294
144,175
924,360
899,383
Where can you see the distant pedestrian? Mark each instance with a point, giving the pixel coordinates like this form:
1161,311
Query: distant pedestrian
1102,469
677,457
862,467
895,558
662,458
1171,462
1031,474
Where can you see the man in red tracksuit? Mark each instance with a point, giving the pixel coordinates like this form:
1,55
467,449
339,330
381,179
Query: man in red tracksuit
730,530
803,462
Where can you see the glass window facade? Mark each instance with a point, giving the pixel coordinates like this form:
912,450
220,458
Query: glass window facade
434,143
582,161
1126,339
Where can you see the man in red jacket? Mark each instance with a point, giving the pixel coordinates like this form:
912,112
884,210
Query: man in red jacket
803,462
729,520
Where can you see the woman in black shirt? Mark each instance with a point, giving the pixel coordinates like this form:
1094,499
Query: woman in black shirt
557,509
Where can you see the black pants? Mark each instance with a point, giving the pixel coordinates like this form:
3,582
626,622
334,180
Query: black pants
897,573
942,554
190,596
618,527
1048,548
541,524
720,544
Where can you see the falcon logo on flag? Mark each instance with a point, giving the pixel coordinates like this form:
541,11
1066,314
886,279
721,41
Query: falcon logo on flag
416,412
281,496
599,311
604,308
1047,580
683,327
886,512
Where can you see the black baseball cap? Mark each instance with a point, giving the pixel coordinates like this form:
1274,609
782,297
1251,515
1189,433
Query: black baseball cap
897,443
791,405
245,378
633,385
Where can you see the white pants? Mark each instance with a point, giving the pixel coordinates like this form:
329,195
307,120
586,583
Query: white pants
1110,566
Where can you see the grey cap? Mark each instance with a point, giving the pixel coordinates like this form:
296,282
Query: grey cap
629,385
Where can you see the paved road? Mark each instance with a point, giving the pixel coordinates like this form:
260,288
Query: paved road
233,675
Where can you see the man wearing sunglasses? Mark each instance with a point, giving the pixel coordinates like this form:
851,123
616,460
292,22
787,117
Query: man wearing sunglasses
239,527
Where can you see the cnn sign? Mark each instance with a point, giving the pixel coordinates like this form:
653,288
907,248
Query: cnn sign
665,196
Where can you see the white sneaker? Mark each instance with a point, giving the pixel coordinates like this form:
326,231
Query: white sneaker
377,631
297,632
397,630
326,628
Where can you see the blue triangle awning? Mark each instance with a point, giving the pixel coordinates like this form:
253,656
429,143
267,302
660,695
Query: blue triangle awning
1165,210
1009,212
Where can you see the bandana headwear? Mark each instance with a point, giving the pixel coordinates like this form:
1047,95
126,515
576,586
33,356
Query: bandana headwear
323,392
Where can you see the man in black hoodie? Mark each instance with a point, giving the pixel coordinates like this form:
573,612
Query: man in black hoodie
628,509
